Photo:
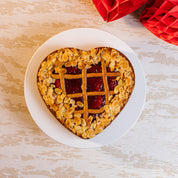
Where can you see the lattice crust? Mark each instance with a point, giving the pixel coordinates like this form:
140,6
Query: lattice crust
85,122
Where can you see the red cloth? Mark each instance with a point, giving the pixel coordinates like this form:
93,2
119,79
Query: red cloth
161,18
114,9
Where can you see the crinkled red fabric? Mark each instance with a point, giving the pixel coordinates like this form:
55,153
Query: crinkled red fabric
114,9
161,18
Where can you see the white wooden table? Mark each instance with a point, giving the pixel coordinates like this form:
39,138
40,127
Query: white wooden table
150,149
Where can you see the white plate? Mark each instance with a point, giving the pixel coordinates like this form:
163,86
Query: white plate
83,38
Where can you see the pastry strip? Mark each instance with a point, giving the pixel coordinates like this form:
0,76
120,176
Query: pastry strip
93,111
62,83
76,76
85,98
105,81
94,93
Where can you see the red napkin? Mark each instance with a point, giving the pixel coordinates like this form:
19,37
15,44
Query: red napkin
161,18
114,9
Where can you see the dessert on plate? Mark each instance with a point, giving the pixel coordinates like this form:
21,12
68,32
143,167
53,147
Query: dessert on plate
85,90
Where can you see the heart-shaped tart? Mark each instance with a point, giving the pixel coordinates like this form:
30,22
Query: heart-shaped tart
85,90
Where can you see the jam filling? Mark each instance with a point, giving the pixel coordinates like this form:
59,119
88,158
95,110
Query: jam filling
112,82
96,102
73,86
109,70
57,83
73,70
93,84
95,68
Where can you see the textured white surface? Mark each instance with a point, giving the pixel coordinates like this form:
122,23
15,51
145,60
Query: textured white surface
150,149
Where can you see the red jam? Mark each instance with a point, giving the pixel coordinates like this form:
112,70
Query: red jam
73,86
96,102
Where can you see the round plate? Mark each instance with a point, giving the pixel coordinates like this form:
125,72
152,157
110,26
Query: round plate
85,39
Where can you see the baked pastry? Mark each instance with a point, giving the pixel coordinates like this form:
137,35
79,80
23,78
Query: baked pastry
85,90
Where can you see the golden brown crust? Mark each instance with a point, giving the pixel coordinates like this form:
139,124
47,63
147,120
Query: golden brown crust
63,106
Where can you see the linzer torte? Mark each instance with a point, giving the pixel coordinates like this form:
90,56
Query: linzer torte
85,90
